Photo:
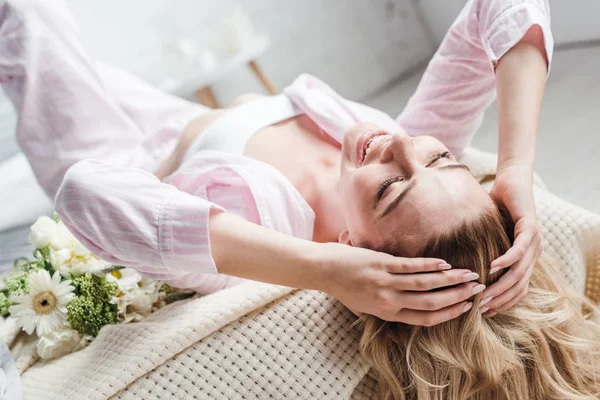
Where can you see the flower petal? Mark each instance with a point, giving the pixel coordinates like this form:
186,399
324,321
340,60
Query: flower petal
18,310
27,323
42,232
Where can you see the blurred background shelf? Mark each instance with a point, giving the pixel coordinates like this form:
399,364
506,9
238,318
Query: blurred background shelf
201,83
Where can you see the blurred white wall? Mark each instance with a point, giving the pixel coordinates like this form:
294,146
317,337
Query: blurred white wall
354,45
572,20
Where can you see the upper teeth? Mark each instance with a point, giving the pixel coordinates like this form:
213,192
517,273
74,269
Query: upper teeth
370,144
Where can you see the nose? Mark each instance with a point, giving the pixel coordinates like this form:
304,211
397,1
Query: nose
401,150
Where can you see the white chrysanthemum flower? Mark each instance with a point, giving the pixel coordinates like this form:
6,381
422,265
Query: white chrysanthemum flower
60,257
67,262
133,305
140,303
42,232
126,279
59,342
70,258
44,308
64,239
149,286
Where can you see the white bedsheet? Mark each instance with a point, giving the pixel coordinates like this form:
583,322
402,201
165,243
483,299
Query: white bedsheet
22,200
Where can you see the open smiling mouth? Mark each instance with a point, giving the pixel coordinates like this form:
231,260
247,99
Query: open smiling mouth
366,143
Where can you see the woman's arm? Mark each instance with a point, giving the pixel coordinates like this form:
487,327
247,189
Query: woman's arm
126,216
392,288
460,82
502,47
521,79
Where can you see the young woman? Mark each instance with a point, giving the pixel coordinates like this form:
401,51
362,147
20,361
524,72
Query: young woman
261,190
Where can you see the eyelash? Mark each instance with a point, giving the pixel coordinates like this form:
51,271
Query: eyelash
394,179
445,154
386,184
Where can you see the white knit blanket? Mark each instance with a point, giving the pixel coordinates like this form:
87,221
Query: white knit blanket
263,341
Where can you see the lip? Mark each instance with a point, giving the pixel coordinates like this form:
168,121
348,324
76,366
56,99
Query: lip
362,143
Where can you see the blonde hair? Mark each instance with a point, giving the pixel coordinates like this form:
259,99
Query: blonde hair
546,347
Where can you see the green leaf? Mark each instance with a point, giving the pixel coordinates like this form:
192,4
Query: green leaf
112,268
173,297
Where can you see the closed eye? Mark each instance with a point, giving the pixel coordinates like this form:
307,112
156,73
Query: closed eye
387,184
437,157
393,179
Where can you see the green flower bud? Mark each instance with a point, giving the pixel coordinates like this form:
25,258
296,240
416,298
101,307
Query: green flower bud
91,309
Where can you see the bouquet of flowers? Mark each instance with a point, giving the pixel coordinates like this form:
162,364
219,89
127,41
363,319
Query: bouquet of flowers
66,294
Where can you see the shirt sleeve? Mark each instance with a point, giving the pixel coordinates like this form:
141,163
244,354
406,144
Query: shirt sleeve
459,82
128,217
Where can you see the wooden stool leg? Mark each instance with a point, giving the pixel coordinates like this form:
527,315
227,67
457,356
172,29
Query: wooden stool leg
266,82
207,97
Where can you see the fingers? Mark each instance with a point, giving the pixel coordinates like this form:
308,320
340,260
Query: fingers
512,296
512,302
430,318
507,281
512,287
515,253
527,236
432,280
403,265
430,301
516,273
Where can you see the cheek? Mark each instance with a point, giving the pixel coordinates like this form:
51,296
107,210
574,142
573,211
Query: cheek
360,185
355,192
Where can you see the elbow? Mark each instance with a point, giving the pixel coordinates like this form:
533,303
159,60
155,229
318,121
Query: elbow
76,202
73,188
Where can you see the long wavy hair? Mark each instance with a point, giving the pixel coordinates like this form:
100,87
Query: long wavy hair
546,347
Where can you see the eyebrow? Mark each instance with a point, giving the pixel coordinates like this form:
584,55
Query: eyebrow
413,183
454,166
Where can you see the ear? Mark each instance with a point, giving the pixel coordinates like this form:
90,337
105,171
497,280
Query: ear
344,238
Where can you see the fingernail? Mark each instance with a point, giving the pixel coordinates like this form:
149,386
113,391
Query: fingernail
483,310
467,307
485,301
477,289
469,276
492,314
494,270
444,266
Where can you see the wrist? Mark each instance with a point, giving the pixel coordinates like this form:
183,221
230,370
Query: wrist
514,164
518,174
318,265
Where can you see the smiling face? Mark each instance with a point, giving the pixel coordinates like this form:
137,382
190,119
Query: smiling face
403,190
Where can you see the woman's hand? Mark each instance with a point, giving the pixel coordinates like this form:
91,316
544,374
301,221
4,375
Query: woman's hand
394,288
514,189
